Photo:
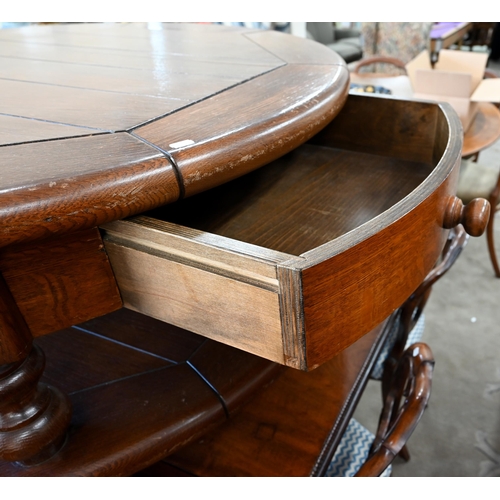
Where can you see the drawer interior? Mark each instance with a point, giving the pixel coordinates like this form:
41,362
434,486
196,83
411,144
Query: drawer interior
301,201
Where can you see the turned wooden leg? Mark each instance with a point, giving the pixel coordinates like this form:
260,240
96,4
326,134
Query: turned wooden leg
33,416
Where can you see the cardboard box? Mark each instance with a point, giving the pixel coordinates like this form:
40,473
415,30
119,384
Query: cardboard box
457,78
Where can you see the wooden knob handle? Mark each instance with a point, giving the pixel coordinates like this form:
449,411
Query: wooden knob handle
474,216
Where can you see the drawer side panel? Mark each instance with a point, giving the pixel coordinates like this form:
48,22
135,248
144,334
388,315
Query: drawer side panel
215,306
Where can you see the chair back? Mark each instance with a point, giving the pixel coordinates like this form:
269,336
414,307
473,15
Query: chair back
321,32
403,408
375,62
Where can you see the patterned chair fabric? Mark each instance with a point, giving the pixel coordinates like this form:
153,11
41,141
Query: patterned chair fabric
414,336
352,452
403,41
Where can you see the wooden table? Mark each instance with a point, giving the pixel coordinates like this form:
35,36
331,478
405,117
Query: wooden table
102,122
483,131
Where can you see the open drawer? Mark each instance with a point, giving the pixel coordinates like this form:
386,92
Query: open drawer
297,260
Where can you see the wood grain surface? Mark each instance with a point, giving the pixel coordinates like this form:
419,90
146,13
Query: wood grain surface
139,390
216,306
43,279
484,129
293,427
75,95
303,200
210,159
65,186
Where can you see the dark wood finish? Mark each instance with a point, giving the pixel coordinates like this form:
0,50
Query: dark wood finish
204,44
97,110
44,277
63,186
16,337
293,427
79,359
210,159
305,199
391,127
33,416
68,184
215,361
413,307
474,216
14,129
141,332
130,82
38,297
132,403
403,408
295,50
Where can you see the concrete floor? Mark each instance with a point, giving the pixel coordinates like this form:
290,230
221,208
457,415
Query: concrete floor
459,434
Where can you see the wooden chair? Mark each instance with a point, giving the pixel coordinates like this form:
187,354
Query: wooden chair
368,61
403,408
410,325
385,75
477,180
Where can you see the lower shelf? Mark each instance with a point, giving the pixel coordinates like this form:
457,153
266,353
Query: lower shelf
290,429
139,389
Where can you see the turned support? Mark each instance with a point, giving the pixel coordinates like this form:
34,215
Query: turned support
33,416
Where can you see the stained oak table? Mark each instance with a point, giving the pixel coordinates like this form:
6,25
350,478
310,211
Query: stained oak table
293,262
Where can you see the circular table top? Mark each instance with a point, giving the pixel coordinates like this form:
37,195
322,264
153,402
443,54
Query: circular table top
102,121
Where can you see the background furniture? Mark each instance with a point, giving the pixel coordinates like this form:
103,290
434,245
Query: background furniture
399,40
409,326
476,181
345,41
480,35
